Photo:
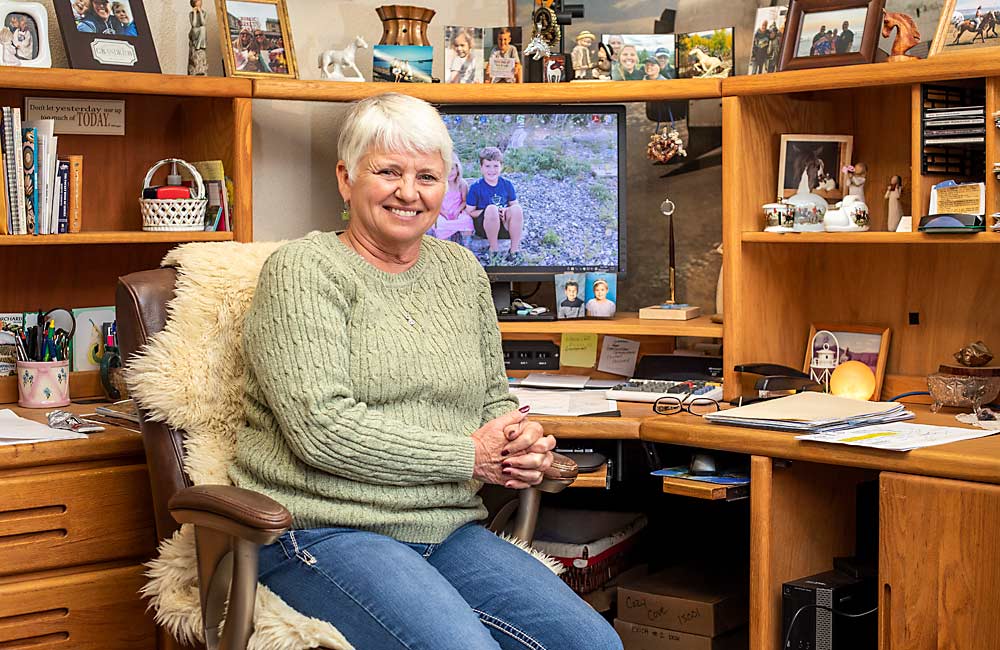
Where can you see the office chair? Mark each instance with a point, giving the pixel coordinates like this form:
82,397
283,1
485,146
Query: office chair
231,523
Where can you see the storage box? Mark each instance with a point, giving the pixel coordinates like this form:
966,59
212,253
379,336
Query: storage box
636,636
686,599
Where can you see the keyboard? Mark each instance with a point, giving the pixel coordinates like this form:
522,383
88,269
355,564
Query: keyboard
650,390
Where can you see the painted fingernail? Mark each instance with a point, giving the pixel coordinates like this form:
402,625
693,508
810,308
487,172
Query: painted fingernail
507,471
505,465
525,408
504,452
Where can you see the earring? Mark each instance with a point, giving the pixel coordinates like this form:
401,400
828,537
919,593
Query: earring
345,215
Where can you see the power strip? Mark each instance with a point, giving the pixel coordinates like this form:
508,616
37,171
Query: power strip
530,355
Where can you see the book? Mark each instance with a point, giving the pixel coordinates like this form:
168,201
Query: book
17,170
4,212
63,199
680,311
29,154
75,215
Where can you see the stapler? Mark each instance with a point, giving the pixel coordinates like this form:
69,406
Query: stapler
776,381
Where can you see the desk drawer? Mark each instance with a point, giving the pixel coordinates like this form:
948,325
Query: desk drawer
61,519
89,610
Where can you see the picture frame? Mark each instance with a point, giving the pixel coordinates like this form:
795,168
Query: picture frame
808,44
705,55
107,35
24,35
661,48
571,290
954,35
252,26
811,163
765,48
463,55
868,344
402,63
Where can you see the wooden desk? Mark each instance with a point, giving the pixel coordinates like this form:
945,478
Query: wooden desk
939,559
75,524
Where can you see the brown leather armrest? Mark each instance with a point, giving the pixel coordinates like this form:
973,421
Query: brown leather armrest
242,513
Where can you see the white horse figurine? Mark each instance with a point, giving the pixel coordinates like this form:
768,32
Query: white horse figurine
705,64
553,71
538,48
332,63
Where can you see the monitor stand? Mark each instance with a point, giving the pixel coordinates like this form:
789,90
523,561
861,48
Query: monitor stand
501,301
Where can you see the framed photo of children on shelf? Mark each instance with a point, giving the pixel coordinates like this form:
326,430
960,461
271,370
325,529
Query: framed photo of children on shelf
106,35
463,55
257,39
823,33
966,25
24,37
812,164
831,344
602,291
570,291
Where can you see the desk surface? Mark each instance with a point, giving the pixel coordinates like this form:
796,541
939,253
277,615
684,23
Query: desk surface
971,460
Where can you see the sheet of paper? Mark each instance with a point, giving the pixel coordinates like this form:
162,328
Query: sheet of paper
564,402
17,430
807,407
579,350
618,356
550,380
900,436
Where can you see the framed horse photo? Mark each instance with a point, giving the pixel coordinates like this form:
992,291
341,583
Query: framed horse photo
813,164
966,25
256,39
824,33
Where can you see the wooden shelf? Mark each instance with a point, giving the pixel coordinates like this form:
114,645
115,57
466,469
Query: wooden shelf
598,479
130,83
113,237
981,238
535,93
702,490
981,63
622,325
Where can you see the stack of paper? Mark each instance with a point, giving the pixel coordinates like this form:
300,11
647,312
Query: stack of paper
811,412
898,437
15,430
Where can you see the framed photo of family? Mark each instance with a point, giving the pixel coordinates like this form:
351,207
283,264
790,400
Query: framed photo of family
106,35
823,33
257,39
24,37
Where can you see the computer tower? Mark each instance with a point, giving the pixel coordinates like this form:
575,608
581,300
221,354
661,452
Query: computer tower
820,629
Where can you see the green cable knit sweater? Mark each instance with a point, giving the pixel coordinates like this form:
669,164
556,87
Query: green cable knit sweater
364,388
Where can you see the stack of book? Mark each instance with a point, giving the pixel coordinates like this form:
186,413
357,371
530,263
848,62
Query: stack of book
40,193
955,125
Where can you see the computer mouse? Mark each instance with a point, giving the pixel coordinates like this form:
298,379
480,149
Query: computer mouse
702,465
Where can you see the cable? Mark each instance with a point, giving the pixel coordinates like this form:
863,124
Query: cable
795,616
909,394
538,285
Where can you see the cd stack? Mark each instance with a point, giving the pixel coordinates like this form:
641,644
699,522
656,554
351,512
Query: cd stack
958,125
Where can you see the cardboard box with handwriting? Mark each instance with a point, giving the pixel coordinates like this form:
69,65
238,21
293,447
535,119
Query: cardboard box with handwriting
686,599
636,636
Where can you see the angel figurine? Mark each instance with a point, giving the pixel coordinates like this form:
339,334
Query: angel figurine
197,58
894,194
856,176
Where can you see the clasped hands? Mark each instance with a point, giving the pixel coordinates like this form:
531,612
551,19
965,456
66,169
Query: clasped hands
512,451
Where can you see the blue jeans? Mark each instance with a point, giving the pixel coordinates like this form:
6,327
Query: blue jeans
473,591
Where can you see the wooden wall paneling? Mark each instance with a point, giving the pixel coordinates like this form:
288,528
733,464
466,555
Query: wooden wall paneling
939,564
992,148
68,276
94,610
801,517
882,142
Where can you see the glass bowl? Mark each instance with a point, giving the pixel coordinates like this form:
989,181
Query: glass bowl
961,391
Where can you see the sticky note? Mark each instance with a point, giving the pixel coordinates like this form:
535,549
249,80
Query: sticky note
578,350
618,356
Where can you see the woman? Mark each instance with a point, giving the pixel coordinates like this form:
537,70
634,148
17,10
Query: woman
627,68
377,404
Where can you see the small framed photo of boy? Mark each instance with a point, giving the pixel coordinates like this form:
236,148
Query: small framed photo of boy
503,63
602,290
106,35
463,55
823,33
257,39
570,289
24,37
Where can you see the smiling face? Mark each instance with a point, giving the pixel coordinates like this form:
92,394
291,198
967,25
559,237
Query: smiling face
571,291
395,197
503,41
122,15
652,69
616,43
628,58
491,170
102,9
600,291
461,45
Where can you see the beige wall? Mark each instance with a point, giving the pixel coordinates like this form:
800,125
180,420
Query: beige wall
295,142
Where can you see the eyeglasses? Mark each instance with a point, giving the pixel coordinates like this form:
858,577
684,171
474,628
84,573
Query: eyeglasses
670,405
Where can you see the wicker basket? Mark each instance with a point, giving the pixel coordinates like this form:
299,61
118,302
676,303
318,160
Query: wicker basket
174,215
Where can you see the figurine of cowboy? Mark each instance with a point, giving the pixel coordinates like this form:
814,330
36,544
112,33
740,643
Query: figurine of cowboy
582,63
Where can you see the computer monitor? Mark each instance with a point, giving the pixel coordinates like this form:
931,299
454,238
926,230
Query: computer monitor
552,174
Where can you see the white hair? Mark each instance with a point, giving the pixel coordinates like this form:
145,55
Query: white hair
394,123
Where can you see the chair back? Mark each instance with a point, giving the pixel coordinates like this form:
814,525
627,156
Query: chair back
141,303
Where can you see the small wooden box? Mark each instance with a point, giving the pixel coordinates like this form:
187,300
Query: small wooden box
670,312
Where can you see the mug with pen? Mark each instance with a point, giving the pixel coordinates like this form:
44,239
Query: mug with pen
43,360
